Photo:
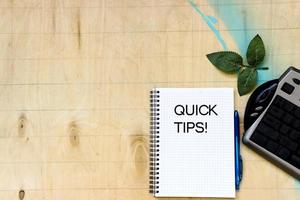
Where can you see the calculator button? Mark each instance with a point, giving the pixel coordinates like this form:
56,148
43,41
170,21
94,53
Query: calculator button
284,129
296,160
268,131
259,108
276,111
254,114
292,145
262,127
288,106
271,121
287,88
272,134
258,138
297,112
279,101
297,81
283,140
296,124
288,118
272,146
294,135
283,153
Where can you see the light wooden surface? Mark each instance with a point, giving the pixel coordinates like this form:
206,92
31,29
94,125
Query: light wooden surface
74,82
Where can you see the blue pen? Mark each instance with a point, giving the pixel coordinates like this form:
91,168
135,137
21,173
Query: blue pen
238,158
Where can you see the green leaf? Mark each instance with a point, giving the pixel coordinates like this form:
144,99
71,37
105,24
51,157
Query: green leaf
256,51
247,78
226,61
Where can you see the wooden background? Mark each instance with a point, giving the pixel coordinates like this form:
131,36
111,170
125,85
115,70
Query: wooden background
75,77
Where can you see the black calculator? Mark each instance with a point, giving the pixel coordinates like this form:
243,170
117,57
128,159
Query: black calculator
276,132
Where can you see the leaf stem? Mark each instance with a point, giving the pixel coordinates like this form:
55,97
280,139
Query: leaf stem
242,65
262,68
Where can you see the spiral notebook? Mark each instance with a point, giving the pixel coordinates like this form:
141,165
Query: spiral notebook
192,142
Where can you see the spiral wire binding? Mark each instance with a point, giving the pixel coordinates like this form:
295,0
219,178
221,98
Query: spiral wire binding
154,142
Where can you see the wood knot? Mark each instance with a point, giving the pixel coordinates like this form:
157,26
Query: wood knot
139,147
22,123
21,194
74,131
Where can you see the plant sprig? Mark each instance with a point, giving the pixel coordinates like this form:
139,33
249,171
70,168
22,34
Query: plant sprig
232,62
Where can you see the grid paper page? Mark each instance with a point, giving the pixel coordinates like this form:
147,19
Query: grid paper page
194,164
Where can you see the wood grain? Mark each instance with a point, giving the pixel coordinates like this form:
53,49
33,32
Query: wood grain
74,83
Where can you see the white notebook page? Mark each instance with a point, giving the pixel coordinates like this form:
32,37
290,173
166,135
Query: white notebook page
196,164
